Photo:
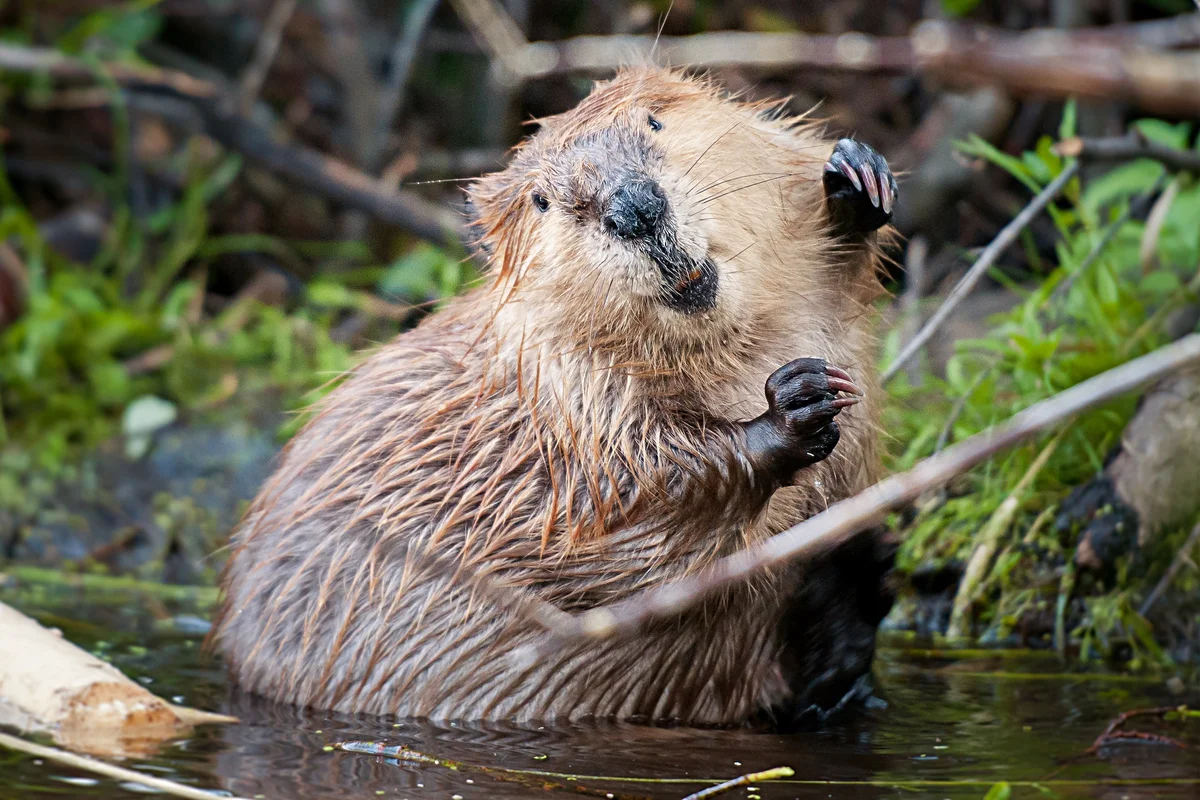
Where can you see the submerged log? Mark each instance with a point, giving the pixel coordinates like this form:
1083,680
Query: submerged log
49,685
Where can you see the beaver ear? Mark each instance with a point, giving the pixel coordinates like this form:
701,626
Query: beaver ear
474,237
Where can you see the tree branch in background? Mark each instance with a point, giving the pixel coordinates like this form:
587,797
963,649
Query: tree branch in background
1109,63
264,54
391,94
1126,148
842,520
297,165
982,264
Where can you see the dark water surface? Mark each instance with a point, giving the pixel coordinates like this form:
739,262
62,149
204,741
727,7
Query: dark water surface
951,727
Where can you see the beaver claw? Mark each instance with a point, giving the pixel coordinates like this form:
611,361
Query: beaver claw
798,428
859,188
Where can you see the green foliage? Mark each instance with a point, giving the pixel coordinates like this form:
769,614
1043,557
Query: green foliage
1046,344
959,8
66,360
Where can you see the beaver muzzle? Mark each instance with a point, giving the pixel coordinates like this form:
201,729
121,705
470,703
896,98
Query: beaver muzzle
638,213
635,209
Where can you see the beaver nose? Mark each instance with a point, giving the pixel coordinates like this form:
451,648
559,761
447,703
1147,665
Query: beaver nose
635,209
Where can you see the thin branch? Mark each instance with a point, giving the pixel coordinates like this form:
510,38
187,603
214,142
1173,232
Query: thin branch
300,166
1176,564
745,780
108,770
982,264
495,29
960,405
1126,148
842,520
391,94
264,54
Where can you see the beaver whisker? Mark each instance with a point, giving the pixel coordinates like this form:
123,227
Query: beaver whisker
708,200
715,184
731,129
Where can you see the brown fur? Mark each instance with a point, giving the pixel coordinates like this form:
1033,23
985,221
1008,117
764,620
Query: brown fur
560,431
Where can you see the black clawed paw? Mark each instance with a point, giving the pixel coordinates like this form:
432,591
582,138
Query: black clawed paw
860,189
803,398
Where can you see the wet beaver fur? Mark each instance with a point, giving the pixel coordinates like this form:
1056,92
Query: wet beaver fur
592,421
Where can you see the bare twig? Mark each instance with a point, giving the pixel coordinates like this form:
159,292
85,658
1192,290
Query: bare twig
1113,730
495,30
264,54
1177,563
844,519
297,165
987,540
988,257
391,94
910,301
745,780
1126,148
107,770
960,405
343,25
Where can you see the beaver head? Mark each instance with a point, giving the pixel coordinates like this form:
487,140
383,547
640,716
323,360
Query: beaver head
658,205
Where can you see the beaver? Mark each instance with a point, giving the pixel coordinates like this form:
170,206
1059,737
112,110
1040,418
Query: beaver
589,421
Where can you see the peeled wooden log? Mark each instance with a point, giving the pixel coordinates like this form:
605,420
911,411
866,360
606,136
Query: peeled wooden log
49,685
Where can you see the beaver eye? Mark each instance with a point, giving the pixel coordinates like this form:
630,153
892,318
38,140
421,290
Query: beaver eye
541,202
655,125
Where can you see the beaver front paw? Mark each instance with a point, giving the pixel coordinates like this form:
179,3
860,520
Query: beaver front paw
860,190
798,428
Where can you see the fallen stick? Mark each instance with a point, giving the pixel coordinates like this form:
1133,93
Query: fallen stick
772,774
219,120
48,684
842,520
982,264
109,770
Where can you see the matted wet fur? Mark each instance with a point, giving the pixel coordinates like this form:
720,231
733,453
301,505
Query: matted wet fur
568,429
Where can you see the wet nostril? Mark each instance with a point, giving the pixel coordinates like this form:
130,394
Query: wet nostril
635,209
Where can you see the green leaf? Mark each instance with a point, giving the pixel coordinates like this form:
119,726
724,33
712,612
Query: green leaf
1070,120
1106,286
1164,133
979,147
1162,282
1129,179
1001,791
959,8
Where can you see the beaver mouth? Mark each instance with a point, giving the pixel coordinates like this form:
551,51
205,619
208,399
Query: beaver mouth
689,285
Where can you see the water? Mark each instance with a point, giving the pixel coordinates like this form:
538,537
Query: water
951,727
